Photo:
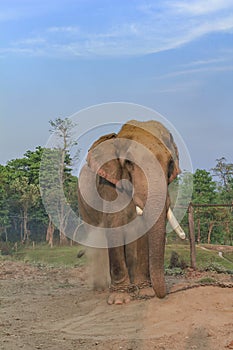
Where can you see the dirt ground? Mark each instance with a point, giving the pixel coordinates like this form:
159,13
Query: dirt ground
53,308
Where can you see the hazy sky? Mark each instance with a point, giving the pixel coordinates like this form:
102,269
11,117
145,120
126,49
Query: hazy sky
59,56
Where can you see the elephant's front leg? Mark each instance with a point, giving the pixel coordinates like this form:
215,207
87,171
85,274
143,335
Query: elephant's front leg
118,270
142,279
117,262
131,260
119,276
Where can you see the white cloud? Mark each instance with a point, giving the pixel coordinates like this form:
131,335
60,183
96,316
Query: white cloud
201,7
64,29
153,27
206,62
228,68
30,41
22,51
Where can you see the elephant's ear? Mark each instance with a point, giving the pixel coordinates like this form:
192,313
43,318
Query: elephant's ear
102,149
173,166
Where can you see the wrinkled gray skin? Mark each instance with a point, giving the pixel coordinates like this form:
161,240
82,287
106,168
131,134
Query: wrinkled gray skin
142,261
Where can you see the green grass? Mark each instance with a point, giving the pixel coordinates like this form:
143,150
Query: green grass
204,258
229,256
181,249
67,256
56,256
211,257
206,280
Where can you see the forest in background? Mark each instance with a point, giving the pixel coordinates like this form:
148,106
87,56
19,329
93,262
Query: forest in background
23,217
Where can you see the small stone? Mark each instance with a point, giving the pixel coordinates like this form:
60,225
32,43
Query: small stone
230,345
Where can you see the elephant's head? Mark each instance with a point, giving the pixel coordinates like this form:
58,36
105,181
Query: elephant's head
123,152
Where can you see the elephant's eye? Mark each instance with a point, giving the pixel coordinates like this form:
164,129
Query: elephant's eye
128,163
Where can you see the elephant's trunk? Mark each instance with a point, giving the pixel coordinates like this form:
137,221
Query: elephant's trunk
156,238
151,198
154,218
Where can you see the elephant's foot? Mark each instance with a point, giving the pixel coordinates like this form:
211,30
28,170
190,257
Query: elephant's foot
143,288
119,292
146,293
119,298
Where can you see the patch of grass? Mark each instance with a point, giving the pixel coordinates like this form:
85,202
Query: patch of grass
66,285
175,271
182,250
43,255
205,258
218,268
5,249
228,256
57,256
207,280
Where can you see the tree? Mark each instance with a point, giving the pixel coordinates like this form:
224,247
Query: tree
22,212
224,172
26,211
204,188
204,192
63,130
23,190
4,207
28,196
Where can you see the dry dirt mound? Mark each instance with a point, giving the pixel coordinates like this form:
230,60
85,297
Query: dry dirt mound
45,308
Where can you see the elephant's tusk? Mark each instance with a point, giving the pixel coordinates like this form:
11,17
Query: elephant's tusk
174,224
139,211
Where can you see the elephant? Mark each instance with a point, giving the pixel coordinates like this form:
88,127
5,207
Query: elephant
135,165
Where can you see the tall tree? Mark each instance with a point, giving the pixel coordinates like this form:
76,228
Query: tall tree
4,205
28,194
223,171
23,190
26,211
204,188
204,192
63,130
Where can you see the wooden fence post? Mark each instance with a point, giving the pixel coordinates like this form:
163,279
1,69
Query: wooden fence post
192,236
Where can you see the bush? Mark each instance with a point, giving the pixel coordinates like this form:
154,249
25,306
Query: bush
176,261
218,268
176,271
5,249
207,280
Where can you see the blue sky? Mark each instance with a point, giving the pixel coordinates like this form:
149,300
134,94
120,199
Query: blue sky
57,57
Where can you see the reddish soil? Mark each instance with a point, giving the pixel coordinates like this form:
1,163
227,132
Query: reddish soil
45,308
